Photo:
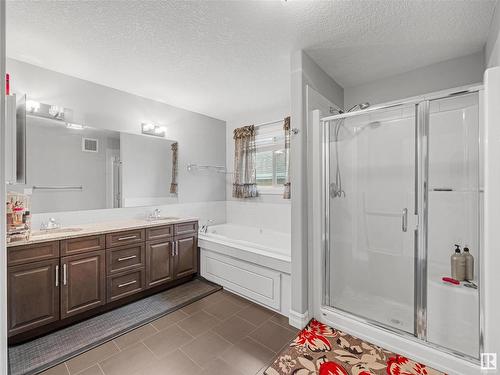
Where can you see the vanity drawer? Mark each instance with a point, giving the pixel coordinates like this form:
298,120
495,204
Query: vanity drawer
125,258
125,238
125,284
83,244
32,253
186,228
159,233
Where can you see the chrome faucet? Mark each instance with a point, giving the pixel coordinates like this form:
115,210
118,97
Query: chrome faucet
204,227
51,224
155,215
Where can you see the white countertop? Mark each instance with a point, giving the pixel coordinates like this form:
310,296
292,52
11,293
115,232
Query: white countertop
38,236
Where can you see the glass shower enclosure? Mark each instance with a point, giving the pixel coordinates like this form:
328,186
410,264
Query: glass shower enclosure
402,188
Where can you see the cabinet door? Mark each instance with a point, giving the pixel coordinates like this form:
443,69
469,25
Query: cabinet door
159,262
83,282
33,295
186,255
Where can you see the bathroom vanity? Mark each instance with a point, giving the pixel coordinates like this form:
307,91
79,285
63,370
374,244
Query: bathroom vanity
58,278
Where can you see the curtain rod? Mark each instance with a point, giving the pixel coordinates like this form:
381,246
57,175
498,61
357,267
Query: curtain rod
270,122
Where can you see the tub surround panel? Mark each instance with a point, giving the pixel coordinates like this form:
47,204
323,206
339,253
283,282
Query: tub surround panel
272,216
254,263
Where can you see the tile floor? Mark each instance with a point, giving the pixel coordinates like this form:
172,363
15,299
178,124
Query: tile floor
221,334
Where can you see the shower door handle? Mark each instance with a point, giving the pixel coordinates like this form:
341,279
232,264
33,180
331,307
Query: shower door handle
404,220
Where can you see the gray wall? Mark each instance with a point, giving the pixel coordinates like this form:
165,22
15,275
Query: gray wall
492,49
305,72
202,139
444,75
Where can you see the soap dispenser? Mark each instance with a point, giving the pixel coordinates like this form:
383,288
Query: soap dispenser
458,265
469,264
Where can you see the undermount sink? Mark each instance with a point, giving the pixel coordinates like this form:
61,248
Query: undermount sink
58,230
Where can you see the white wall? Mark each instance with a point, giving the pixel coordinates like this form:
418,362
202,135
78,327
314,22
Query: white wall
3,252
492,48
202,139
443,75
304,72
491,258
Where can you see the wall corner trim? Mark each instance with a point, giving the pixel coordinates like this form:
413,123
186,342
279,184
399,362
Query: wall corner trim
299,320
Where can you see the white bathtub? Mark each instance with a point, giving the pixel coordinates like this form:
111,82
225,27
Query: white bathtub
252,262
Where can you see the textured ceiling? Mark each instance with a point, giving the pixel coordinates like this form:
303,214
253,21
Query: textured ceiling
222,58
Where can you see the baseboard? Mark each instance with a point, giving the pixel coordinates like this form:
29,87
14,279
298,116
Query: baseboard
299,320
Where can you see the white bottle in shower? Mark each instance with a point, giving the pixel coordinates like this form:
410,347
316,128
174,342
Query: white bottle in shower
458,265
469,264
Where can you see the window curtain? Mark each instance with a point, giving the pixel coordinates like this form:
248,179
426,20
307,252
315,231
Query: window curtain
173,184
244,184
287,185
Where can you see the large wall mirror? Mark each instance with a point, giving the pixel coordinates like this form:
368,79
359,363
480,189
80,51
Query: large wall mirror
70,167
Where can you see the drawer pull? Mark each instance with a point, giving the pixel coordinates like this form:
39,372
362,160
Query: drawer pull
65,274
127,238
127,284
127,258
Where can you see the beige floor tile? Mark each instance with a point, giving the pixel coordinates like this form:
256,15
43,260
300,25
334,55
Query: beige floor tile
283,321
92,357
135,336
176,363
198,323
205,348
128,361
169,319
168,340
272,335
255,314
56,370
202,303
223,309
94,370
248,356
236,299
220,367
234,329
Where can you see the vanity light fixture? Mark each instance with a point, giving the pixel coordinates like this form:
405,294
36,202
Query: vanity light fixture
153,129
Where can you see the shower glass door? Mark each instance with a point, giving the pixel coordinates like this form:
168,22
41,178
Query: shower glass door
371,174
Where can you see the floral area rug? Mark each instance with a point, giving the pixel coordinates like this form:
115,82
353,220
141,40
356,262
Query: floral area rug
320,349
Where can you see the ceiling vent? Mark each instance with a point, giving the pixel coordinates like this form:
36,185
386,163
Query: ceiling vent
90,145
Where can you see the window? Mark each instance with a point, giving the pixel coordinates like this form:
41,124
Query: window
270,159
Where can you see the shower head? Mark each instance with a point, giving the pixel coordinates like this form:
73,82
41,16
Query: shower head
359,106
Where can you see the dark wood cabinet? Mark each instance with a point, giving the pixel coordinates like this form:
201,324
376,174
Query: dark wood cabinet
159,262
125,258
33,295
55,283
83,282
186,255
82,245
125,284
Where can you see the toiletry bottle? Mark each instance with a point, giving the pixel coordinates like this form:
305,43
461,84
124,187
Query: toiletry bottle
458,265
469,264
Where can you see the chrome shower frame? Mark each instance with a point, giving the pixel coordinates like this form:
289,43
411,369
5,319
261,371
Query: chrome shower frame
419,335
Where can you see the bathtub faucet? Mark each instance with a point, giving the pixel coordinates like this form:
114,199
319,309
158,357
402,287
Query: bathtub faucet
204,227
